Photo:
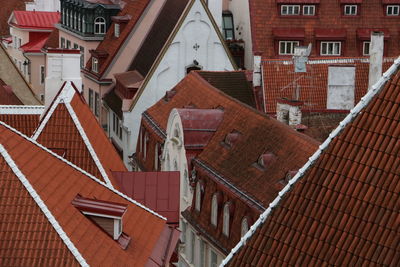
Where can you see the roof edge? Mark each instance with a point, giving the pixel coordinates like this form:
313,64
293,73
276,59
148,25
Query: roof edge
365,100
32,192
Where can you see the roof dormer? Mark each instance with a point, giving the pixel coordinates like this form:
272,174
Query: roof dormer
231,138
266,160
107,215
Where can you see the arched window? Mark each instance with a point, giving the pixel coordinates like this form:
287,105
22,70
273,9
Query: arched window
99,25
214,210
79,22
198,196
145,142
70,18
225,225
245,226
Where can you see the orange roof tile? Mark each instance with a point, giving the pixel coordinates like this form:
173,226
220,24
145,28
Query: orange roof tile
342,207
69,125
280,80
55,182
23,118
7,96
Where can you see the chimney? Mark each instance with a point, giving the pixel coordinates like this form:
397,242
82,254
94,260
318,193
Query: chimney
215,7
376,58
289,111
257,70
61,66
341,86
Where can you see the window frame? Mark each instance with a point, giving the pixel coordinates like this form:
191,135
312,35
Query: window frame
100,26
333,43
95,65
287,9
214,210
243,231
198,197
96,104
226,29
226,219
42,74
308,6
286,42
364,44
392,13
345,13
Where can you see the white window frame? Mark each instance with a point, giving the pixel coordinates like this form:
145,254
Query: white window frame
95,65
225,224
42,74
198,197
333,43
244,226
286,43
394,10
214,210
309,8
99,25
350,10
290,10
366,43
117,30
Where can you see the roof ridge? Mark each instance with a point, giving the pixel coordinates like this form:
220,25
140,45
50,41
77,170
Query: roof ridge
365,100
21,109
35,196
81,170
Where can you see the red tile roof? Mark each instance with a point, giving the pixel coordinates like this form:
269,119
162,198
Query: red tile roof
36,19
7,7
7,96
23,118
157,190
35,44
57,182
280,80
343,207
70,125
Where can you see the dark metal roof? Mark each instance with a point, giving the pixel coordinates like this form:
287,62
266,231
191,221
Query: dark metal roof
99,206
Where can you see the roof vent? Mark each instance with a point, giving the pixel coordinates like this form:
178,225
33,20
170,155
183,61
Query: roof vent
107,215
169,95
231,138
266,160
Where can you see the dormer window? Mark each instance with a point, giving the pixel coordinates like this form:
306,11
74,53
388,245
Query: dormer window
309,10
107,215
198,196
350,10
231,138
290,10
116,30
392,10
225,224
99,25
244,227
214,210
95,65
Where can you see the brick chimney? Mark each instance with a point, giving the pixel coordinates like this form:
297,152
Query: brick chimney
376,58
289,111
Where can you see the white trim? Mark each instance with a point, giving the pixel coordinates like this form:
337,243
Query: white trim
21,110
348,119
101,215
83,171
39,130
293,7
350,9
25,182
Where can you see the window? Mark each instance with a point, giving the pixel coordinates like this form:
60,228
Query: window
366,46
308,10
185,183
82,49
350,10
83,24
95,65
183,234
116,29
225,225
62,41
91,99
75,46
117,126
19,42
99,25
214,210
96,104
227,25
392,10
79,22
15,41
202,253
213,258
330,48
156,157
287,47
245,227
198,196
42,74
192,240
146,140
68,44
290,10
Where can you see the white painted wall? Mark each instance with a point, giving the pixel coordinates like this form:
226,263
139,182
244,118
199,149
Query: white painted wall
43,5
196,29
341,87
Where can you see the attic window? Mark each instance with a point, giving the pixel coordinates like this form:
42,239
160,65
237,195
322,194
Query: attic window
106,215
95,65
266,160
116,29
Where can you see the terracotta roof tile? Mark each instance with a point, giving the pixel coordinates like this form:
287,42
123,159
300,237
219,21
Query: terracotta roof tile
7,96
344,206
23,118
57,191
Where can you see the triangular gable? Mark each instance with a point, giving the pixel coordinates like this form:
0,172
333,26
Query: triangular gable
369,121
70,129
170,40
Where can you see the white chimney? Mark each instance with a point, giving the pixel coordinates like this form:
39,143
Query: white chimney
215,6
61,66
376,58
341,86
289,111
257,71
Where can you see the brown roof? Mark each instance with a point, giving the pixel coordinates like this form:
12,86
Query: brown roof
158,35
344,210
280,80
53,40
57,182
7,96
25,123
111,44
63,129
7,7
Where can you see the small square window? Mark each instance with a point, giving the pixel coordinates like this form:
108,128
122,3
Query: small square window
366,47
350,10
392,10
288,10
309,10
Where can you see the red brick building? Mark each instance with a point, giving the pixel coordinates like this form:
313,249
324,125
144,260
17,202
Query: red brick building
333,27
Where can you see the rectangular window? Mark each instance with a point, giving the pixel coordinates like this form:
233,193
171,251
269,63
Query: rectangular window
19,42
95,65
308,10
290,10
330,48
392,10
227,25
116,30
75,46
82,49
96,104
62,42
202,253
192,240
350,10
91,99
213,258
15,41
42,74
287,47
68,44
366,46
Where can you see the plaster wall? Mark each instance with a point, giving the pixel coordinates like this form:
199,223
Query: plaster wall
195,40
341,87
43,5
13,50
36,60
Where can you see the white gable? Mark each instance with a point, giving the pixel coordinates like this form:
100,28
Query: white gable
196,40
